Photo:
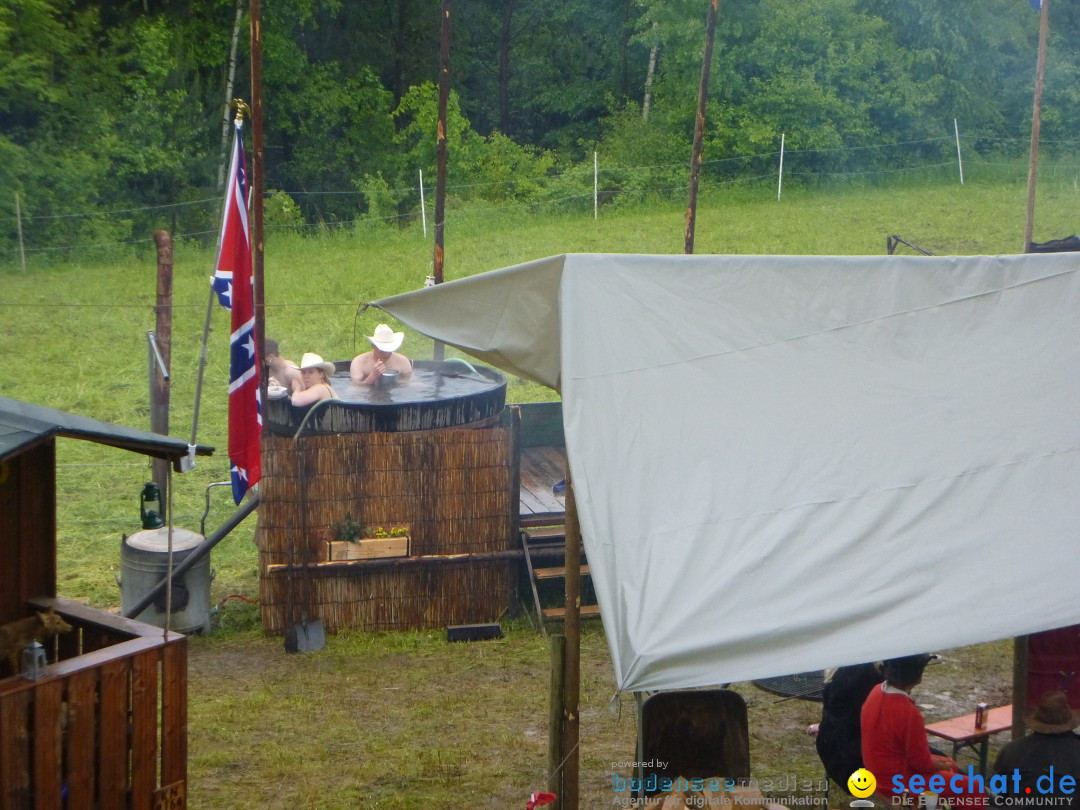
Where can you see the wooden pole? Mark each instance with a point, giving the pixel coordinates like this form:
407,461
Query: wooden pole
159,384
699,127
1036,114
572,677
440,147
555,717
1020,682
257,171
18,223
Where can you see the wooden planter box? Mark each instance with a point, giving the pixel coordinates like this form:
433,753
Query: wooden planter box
368,548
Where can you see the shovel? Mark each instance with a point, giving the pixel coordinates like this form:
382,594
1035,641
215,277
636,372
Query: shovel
307,635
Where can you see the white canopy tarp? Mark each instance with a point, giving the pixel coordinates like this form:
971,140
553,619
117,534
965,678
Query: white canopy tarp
784,463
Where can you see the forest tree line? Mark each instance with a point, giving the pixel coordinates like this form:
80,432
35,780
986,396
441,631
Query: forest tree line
117,105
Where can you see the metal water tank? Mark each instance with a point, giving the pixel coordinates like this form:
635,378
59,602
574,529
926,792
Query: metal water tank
144,562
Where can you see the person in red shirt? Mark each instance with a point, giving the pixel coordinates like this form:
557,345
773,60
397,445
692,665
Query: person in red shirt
894,735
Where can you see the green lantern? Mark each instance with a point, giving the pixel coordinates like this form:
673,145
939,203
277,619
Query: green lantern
150,506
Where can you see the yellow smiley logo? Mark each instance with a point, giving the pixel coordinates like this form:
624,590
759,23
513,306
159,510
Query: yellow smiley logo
861,783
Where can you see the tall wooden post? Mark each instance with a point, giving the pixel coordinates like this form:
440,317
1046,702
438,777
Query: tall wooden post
572,674
699,126
1036,115
159,385
1020,684
440,147
257,245
555,717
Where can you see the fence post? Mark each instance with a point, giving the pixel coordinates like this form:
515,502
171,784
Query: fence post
780,177
423,213
18,221
595,172
159,374
959,160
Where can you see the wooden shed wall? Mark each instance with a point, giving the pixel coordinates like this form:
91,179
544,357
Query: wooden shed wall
27,528
456,491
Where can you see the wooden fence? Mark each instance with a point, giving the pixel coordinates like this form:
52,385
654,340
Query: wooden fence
106,727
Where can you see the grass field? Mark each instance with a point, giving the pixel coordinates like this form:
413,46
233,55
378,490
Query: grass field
405,720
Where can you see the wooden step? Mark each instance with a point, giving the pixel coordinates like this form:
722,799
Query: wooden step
559,613
540,519
557,573
545,533
550,552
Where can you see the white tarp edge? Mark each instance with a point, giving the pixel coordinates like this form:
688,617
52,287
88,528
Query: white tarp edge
508,318
787,463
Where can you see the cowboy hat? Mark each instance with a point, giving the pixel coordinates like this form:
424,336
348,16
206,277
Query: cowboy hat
1052,715
312,360
386,338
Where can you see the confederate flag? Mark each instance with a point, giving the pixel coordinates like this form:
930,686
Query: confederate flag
233,284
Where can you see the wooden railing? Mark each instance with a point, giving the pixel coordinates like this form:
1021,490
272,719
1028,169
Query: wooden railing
106,727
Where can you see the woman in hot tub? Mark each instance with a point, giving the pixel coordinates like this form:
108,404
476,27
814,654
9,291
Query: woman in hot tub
314,382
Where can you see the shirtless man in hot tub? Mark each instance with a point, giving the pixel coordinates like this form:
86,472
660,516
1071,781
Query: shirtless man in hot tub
366,368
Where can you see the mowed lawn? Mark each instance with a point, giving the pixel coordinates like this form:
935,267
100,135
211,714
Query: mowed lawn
406,720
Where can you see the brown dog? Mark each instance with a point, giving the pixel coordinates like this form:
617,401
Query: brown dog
18,634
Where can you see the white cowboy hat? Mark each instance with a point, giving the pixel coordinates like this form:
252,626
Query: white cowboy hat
386,338
312,360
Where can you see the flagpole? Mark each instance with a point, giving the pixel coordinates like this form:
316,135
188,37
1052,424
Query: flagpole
239,119
257,194
199,375
1036,114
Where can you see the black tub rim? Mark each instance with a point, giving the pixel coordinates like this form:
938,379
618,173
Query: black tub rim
488,401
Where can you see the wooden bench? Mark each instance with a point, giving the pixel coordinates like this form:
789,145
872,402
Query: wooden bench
961,732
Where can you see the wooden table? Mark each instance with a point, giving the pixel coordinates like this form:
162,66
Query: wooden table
961,732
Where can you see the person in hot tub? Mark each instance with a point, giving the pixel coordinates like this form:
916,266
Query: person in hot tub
366,368
282,372
314,383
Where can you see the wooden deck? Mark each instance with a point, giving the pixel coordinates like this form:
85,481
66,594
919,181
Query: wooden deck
541,468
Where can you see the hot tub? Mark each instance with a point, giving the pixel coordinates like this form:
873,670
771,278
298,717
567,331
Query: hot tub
438,394
435,454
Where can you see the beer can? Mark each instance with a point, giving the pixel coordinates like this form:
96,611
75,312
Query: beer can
982,715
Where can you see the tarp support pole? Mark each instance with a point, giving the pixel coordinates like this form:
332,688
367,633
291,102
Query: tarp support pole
639,705
555,717
572,677
1020,682
438,350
